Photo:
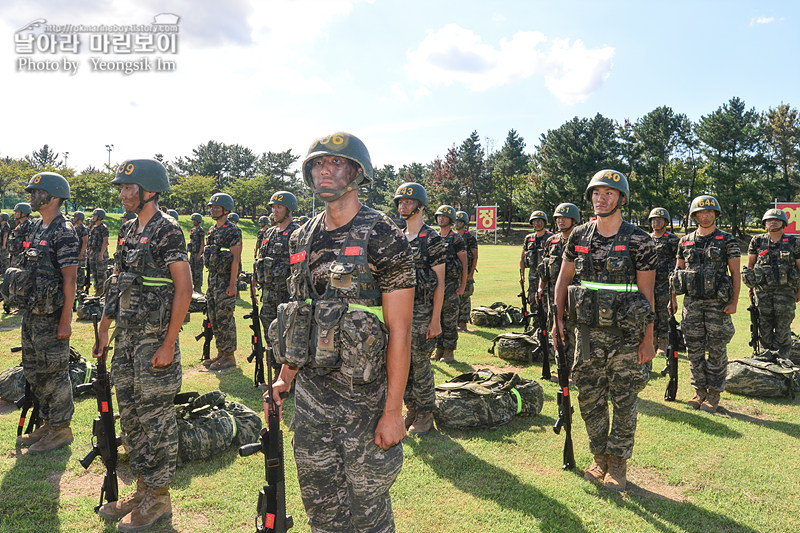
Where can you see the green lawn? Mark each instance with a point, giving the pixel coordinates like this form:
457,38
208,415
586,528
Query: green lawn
731,472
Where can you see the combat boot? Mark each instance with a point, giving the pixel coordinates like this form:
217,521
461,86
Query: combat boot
697,400
29,438
118,509
597,471
57,437
616,476
411,415
437,355
422,425
208,362
226,360
155,505
711,402
447,356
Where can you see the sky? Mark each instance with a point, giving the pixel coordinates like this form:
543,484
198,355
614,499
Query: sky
410,78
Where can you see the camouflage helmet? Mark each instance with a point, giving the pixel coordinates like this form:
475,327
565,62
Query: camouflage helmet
568,210
344,145
4,216
704,202
197,217
538,215
447,211
172,213
223,200
263,219
775,214
608,178
79,215
149,174
129,215
462,216
234,217
99,212
411,190
659,212
23,207
54,184
284,198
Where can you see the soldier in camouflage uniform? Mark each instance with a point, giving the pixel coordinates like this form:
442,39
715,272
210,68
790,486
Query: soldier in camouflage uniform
233,218
222,257
462,228
773,277
148,297
5,231
98,250
705,258
532,252
20,233
197,241
612,307
82,233
428,250
264,223
51,260
352,358
455,283
667,248
566,216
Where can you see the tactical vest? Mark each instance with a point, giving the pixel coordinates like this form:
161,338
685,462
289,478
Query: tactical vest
533,251
453,266
426,277
550,266
196,240
217,259
17,237
705,276
341,329
272,264
775,267
470,251
95,241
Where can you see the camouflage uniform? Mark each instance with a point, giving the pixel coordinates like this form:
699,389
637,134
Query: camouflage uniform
471,244
272,267
666,248
45,358
606,355
81,232
705,325
774,298
532,252
454,245
428,251
260,239
216,256
552,252
5,229
145,393
344,477
97,267
16,241
196,239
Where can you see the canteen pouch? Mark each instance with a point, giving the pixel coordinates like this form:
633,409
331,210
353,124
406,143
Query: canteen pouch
543,271
724,291
580,305
327,318
677,281
342,276
290,333
747,277
607,307
139,307
17,287
363,346
48,295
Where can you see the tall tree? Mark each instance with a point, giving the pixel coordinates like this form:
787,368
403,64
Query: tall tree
509,166
43,158
380,193
782,131
445,186
278,165
469,169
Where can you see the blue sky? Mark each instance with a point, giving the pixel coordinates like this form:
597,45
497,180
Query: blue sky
410,78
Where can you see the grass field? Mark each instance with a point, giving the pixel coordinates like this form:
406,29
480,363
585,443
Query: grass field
691,471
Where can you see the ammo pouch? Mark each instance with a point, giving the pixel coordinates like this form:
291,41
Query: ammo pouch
48,295
290,333
17,287
33,290
724,291
629,311
748,277
530,258
140,306
217,260
262,267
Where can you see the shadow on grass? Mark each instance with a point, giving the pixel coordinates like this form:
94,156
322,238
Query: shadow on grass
793,430
701,422
452,462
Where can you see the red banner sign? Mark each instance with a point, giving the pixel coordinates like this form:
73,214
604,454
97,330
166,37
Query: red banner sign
486,218
792,210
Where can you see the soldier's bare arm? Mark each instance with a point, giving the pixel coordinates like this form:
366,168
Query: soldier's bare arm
435,327
236,250
182,280
645,280
462,256
752,258
565,276
103,249
736,276
70,274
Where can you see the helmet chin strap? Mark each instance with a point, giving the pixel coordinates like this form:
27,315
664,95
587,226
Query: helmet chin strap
412,213
142,201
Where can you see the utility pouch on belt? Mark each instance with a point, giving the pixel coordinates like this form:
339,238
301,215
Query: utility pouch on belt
363,345
327,318
290,333
677,281
748,277
17,287
530,258
724,291
342,275
543,271
141,307
48,296
580,305
708,283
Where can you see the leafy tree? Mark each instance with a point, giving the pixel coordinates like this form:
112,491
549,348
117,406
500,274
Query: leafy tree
190,193
14,176
469,169
380,193
278,165
210,159
782,132
92,188
445,187
250,195
43,158
509,167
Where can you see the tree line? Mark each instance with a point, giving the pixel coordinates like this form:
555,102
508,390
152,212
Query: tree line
743,157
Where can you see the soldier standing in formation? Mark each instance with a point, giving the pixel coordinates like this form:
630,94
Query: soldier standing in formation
667,249
566,216
82,232
428,251
263,222
455,282
462,228
707,272
19,234
197,241
233,218
356,267
98,250
148,298
532,251
773,278
51,259
5,230
616,263
222,257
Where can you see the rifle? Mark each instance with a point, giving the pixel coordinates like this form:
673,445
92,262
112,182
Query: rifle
256,339
755,318
544,344
526,317
672,361
26,402
207,333
87,278
271,506
104,431
565,409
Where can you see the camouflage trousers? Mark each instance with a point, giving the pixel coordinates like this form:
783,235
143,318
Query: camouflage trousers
466,303
45,363
661,321
145,399
4,262
98,272
706,327
81,276
449,337
220,312
420,391
344,476
533,287
776,312
196,266
608,368
569,327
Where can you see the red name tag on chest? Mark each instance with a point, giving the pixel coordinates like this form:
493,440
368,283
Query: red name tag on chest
26,244
265,241
557,239
285,233
423,234
763,252
143,240
121,241
687,243
352,250
582,249
42,243
785,239
298,257
719,237
619,248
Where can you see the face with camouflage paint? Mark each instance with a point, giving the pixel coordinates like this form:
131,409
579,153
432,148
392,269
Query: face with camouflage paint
39,197
658,223
773,225
332,172
538,224
705,218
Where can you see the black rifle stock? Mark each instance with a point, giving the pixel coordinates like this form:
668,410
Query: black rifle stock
672,361
87,278
104,431
206,334
256,338
544,345
565,409
526,316
27,402
755,318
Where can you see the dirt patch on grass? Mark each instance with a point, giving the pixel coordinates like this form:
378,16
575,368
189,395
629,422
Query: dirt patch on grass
87,482
7,407
650,483
747,412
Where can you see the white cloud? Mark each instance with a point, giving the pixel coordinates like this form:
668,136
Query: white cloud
457,55
762,20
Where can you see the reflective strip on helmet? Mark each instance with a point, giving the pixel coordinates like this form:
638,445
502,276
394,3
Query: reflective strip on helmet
148,281
619,287
519,400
